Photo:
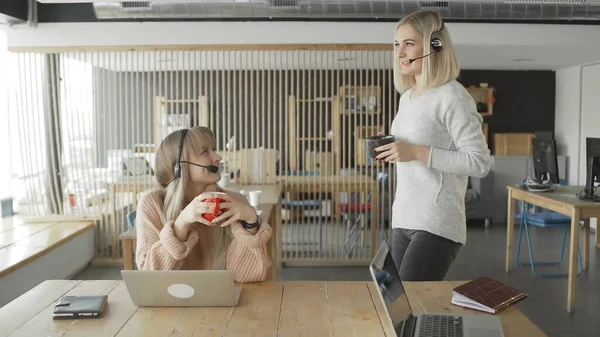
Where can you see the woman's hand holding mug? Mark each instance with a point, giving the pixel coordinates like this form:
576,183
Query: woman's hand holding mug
400,151
235,209
199,210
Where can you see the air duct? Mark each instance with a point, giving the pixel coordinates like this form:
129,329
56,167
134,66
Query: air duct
510,10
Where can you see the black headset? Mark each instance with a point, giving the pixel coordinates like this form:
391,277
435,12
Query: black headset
436,42
177,170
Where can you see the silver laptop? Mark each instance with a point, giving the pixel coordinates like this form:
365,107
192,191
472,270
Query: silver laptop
405,323
181,288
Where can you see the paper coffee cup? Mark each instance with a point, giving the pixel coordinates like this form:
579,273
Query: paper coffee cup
254,197
224,182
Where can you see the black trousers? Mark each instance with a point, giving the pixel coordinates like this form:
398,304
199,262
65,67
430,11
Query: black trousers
422,256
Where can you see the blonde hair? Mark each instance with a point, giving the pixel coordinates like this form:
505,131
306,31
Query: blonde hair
174,188
438,68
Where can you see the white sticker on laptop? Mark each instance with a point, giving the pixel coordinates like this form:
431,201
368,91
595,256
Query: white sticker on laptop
180,290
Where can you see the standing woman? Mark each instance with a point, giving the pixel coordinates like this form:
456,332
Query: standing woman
439,143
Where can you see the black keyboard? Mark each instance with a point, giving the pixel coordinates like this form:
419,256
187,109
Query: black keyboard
539,187
440,326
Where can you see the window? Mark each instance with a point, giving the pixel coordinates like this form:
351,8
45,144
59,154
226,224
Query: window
26,134
25,138
77,116
5,170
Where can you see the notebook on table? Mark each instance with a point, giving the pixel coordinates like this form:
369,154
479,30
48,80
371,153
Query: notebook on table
487,294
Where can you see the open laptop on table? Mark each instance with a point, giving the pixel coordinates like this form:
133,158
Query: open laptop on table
406,324
181,288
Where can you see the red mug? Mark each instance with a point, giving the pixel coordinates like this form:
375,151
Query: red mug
216,211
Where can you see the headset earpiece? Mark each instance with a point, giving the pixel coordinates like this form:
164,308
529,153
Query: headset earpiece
177,170
436,44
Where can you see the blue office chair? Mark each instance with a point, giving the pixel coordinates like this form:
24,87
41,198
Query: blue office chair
544,219
131,219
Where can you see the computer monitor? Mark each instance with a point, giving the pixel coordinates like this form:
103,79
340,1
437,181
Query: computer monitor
592,150
546,135
545,162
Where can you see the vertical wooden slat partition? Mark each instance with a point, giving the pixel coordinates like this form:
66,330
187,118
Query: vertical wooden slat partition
281,114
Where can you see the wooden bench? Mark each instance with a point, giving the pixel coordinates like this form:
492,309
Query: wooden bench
32,251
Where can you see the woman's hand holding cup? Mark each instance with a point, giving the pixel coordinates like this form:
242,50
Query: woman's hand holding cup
235,209
199,210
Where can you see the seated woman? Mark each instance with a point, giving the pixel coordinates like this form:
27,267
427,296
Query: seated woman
171,232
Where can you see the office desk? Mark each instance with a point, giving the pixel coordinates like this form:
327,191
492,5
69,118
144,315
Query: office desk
562,201
295,308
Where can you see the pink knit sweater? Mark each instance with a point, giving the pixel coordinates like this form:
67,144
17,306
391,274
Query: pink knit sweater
159,249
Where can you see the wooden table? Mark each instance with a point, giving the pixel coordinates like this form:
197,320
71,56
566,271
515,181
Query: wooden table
562,201
271,211
294,308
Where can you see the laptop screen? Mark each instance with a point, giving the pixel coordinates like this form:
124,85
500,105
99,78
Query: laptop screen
386,277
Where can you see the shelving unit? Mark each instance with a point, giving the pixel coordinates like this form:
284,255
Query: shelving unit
175,114
485,96
301,138
360,99
351,101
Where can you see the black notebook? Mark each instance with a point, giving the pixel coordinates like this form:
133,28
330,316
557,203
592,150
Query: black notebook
80,307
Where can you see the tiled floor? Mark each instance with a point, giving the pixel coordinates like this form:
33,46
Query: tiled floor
484,255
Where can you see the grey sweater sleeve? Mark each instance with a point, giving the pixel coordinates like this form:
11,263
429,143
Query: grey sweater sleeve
468,153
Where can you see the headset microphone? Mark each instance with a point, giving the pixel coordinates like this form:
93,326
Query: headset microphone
420,57
210,168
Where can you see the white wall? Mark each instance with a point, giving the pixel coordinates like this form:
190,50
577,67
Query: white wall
568,118
293,32
221,32
590,111
577,116
548,46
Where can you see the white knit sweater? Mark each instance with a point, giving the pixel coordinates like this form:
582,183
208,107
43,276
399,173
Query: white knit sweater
432,197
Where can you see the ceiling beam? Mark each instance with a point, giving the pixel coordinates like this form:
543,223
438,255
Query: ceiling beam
16,9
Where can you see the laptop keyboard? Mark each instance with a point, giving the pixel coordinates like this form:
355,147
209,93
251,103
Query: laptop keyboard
440,326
